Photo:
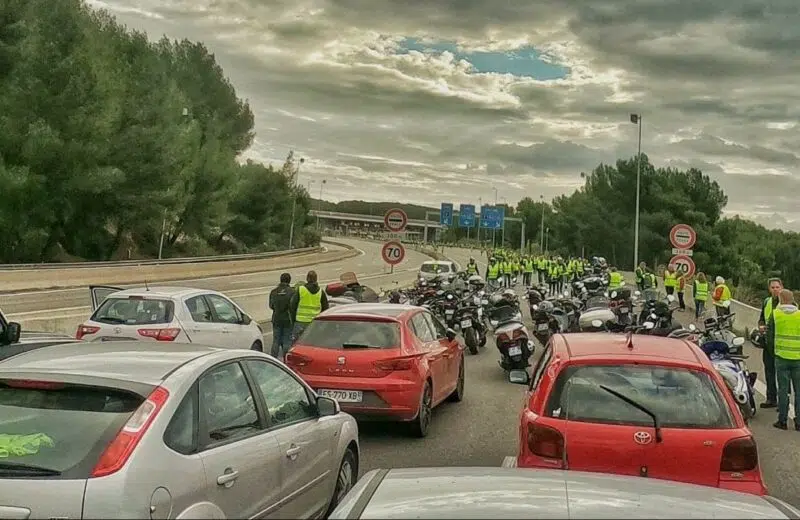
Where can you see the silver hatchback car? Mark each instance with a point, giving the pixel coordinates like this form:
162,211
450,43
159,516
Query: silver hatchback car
123,430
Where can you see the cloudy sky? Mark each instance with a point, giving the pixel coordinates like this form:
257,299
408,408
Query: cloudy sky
445,100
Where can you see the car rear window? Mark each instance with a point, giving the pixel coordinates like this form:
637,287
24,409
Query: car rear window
134,311
679,397
59,427
344,333
431,268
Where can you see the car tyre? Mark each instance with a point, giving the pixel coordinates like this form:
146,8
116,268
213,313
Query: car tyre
422,423
345,480
458,394
257,346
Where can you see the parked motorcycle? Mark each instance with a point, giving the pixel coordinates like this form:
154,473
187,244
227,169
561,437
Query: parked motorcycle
739,380
511,337
621,303
596,309
469,323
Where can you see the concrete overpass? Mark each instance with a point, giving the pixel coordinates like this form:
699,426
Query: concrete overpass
335,216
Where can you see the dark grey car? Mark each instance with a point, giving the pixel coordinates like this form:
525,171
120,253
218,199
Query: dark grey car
494,493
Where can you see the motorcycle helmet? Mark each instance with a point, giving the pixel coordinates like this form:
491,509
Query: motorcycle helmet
476,281
546,307
509,294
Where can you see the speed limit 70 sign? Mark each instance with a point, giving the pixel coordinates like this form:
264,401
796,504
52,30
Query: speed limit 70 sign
393,252
683,265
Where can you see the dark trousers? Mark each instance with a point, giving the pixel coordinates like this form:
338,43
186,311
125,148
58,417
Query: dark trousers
788,374
526,278
542,276
699,308
681,303
768,357
670,290
507,280
298,330
281,340
722,311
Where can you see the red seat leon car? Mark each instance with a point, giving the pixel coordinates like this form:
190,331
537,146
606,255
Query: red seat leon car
381,361
635,405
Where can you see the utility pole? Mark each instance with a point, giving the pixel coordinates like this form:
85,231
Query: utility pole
637,120
293,188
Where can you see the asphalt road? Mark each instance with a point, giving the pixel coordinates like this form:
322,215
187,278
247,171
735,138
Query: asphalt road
482,429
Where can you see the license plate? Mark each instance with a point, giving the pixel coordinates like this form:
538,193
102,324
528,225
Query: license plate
465,324
515,351
449,312
476,300
484,302
624,310
343,396
542,326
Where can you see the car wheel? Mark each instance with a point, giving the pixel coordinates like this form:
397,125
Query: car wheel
458,394
257,346
422,423
345,480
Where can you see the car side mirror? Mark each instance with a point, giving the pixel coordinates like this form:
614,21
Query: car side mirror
518,377
12,333
451,334
327,406
246,320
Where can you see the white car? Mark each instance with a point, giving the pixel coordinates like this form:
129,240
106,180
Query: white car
444,268
170,314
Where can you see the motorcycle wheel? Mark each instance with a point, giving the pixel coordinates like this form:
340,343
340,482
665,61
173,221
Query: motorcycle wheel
471,339
482,342
747,412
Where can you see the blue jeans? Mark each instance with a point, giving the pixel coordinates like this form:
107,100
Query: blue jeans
788,372
281,340
298,329
699,307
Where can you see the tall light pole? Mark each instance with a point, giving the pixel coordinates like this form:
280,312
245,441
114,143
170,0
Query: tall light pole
480,208
293,188
503,229
319,202
541,235
546,240
637,120
494,231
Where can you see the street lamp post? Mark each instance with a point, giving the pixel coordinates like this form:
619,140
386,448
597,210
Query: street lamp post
480,208
503,229
293,187
637,120
541,234
319,202
546,240
494,231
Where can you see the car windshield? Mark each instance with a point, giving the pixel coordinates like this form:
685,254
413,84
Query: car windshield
351,333
431,268
681,398
59,427
134,311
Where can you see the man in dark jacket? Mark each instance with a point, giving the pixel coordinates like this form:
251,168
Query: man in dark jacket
768,353
307,302
280,299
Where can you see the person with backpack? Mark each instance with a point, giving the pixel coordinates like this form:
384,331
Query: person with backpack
280,299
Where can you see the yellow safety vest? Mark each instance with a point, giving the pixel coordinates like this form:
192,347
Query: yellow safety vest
767,308
472,268
494,271
670,279
309,305
726,295
700,291
615,280
787,334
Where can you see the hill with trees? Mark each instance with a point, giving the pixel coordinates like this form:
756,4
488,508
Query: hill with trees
107,138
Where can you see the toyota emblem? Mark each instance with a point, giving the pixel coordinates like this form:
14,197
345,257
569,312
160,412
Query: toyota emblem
341,360
642,438
117,330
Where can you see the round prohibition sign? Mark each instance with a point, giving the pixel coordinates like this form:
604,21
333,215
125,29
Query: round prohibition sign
395,220
682,236
393,252
684,265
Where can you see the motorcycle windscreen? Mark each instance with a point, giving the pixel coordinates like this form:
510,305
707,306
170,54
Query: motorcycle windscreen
504,313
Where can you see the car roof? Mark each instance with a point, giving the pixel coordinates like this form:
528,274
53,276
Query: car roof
492,492
162,292
591,346
437,262
132,361
370,311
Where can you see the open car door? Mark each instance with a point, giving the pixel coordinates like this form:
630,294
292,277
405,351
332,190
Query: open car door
100,293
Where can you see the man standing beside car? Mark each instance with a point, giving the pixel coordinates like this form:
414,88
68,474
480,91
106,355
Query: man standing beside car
770,303
280,299
307,303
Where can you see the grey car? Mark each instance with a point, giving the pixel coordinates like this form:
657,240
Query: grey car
126,430
493,493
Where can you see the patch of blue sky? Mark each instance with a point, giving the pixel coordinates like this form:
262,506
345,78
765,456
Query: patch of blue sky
525,62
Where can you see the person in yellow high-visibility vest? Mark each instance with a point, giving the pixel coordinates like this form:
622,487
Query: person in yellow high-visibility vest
670,280
785,330
721,297
615,279
700,290
307,303
771,302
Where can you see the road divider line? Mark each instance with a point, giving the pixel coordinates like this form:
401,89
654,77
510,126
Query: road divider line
509,462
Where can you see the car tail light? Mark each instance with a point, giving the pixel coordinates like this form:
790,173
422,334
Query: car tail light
160,334
33,385
545,441
84,330
297,360
739,455
120,449
397,364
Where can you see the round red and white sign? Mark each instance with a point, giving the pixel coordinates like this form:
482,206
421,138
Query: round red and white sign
683,265
395,220
393,252
682,236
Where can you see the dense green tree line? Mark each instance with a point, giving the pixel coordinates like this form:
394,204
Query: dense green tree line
106,138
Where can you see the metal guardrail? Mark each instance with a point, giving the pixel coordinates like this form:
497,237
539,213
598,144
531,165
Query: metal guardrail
188,260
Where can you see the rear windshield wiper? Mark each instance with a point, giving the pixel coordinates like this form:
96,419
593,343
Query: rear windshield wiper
357,345
19,468
643,408
111,319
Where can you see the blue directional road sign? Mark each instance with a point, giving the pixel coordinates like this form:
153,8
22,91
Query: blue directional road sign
466,216
446,214
491,217
501,218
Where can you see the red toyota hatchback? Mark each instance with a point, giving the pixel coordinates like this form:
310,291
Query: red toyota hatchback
635,405
381,361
